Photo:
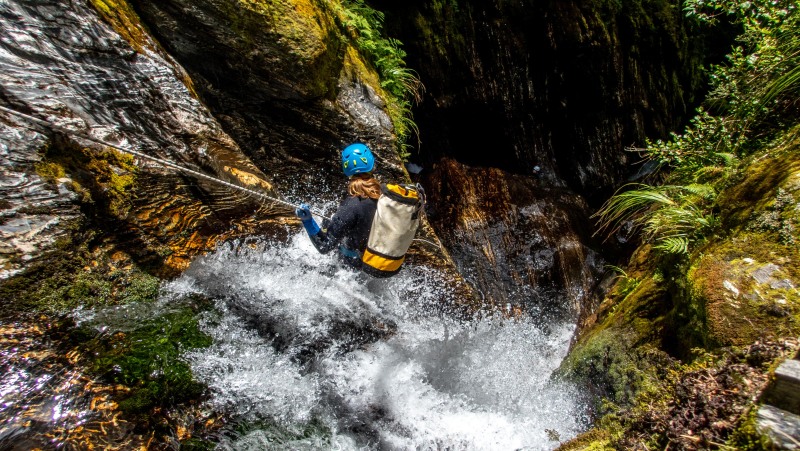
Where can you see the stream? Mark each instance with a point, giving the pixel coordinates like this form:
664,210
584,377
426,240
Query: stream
305,354
374,363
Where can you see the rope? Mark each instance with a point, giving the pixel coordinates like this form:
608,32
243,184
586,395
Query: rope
161,161
427,241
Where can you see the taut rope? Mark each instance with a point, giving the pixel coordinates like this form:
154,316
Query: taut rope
161,161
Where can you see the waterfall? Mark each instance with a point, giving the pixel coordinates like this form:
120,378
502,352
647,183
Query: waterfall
310,355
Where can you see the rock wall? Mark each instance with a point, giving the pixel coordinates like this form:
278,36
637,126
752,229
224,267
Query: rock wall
564,86
284,81
234,89
109,80
518,239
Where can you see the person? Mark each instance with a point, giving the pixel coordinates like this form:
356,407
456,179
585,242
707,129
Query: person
348,229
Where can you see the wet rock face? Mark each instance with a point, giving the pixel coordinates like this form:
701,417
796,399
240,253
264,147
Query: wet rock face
562,85
281,78
520,241
24,230
115,84
283,81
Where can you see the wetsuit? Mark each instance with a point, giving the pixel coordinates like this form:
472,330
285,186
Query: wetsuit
348,229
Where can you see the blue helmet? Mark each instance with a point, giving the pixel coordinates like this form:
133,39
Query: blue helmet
357,159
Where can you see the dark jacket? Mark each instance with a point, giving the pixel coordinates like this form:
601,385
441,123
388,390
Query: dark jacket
348,229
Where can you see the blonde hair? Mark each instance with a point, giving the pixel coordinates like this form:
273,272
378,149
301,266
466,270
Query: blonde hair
364,185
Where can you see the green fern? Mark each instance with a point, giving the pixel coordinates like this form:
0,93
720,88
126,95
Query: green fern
627,204
626,283
670,216
787,85
388,57
673,245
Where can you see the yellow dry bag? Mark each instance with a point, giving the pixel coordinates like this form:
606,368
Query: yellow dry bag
393,228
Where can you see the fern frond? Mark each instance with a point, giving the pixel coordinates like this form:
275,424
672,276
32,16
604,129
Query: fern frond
678,245
703,190
627,205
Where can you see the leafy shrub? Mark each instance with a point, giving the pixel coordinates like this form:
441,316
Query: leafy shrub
388,57
752,102
671,216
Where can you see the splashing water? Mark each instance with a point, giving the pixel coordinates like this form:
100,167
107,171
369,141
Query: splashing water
302,344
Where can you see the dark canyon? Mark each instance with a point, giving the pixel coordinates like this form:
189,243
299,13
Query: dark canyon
523,129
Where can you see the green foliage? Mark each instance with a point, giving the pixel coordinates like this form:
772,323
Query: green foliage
752,96
746,436
388,57
673,245
626,283
754,12
708,143
752,102
787,85
671,216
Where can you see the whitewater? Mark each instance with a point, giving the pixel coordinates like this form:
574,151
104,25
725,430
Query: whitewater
307,354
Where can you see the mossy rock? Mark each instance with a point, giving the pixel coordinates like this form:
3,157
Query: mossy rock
621,353
80,272
745,288
146,358
758,190
301,25
300,36
121,16
714,310
104,180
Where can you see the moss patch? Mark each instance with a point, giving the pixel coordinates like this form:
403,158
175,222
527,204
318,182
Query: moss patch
104,179
757,189
299,24
147,359
622,355
79,272
745,288
49,171
593,440
301,33
125,21
615,370
746,437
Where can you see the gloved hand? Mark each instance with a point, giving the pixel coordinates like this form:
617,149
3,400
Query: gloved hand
304,213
